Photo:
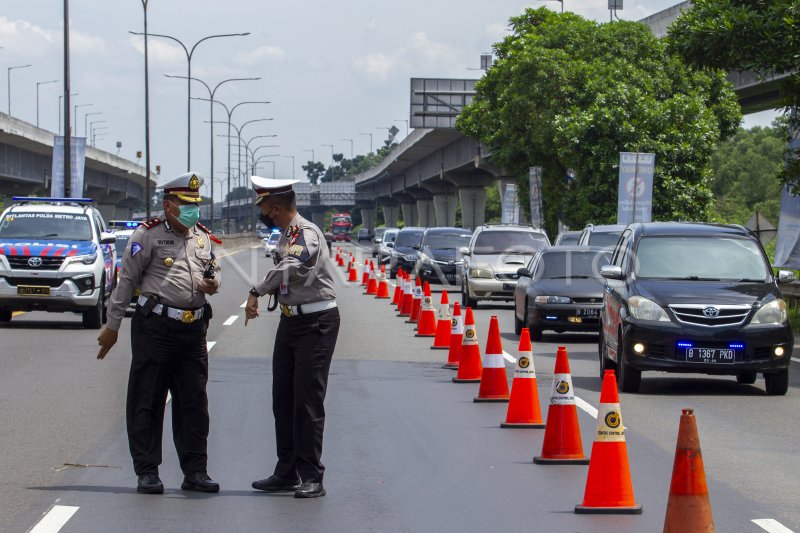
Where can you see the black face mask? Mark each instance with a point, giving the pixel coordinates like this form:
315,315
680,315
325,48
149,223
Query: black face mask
268,222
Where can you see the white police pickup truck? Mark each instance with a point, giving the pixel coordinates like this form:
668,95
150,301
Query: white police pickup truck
56,255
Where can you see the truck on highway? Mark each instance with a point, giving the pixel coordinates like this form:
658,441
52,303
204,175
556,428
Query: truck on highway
341,226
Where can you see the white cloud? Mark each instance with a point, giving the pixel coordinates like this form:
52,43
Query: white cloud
261,55
418,54
159,51
376,67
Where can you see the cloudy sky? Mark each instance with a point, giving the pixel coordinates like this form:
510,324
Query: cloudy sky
331,70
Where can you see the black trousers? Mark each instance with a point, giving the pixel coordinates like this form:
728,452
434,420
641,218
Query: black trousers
168,355
300,363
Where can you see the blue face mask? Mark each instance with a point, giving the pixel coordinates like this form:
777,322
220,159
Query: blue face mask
189,215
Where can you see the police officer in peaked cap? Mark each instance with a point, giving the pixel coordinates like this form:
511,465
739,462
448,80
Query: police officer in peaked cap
170,260
302,282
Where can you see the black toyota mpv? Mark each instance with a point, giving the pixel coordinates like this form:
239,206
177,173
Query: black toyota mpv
690,297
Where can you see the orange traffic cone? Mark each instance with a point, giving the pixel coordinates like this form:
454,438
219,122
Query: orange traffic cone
456,335
469,364
353,274
416,302
608,485
365,275
494,382
408,296
523,407
562,435
688,509
442,337
399,289
427,316
383,285
372,283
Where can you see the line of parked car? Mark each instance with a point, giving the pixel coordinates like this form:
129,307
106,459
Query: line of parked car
666,296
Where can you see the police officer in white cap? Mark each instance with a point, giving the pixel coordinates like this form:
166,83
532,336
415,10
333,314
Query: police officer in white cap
302,281
170,260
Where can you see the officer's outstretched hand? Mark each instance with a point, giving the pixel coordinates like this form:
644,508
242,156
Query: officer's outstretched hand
208,286
251,308
107,339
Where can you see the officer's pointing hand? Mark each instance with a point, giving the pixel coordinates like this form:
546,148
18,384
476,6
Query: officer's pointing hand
107,339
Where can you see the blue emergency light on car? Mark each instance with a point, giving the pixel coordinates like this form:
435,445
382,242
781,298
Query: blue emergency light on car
736,346
682,344
51,200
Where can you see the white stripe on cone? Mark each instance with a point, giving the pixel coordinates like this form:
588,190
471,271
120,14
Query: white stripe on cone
493,360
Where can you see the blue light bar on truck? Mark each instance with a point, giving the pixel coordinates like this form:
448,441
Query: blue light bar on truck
51,200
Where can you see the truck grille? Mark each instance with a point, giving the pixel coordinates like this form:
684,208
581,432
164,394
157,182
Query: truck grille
21,262
711,315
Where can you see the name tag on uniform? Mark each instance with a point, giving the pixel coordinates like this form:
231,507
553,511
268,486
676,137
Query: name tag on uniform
284,289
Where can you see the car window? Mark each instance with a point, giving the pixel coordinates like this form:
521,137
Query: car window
389,236
274,238
604,239
570,264
702,258
408,238
619,252
446,241
379,232
568,238
508,242
121,243
37,225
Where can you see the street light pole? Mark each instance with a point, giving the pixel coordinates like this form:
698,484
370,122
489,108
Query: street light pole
75,111
85,119
351,147
189,54
38,83
67,132
211,93
370,140
9,84
292,158
331,167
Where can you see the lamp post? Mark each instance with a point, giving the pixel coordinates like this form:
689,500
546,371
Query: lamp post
370,140
92,128
94,134
331,165
189,54
75,111
146,114
351,147
313,159
292,158
239,163
211,93
86,116
38,83
9,84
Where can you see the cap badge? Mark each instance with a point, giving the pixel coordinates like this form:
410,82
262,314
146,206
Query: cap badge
194,182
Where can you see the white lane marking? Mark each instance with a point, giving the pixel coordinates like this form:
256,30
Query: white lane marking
586,407
773,526
244,304
169,396
209,345
55,519
795,359
510,358
230,320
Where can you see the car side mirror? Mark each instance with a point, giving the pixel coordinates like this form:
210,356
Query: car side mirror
612,272
390,245
107,238
463,250
786,276
378,240
523,273
417,247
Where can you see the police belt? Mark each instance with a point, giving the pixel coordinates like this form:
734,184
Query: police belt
307,309
187,316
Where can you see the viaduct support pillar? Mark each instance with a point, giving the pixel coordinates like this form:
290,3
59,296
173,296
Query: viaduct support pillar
473,206
445,209
410,213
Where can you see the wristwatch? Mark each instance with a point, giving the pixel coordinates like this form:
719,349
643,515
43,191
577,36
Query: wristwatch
254,292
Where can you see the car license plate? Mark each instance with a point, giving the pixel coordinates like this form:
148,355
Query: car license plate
450,277
588,312
711,355
33,290
509,286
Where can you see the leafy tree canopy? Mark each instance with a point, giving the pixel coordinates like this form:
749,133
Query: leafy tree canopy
567,93
758,35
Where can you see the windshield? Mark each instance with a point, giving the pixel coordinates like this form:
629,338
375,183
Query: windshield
570,264
446,241
275,237
508,242
62,226
570,238
379,232
700,258
408,238
389,236
121,243
604,239
340,220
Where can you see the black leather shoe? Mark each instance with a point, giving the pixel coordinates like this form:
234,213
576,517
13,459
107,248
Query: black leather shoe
199,482
310,489
276,484
150,484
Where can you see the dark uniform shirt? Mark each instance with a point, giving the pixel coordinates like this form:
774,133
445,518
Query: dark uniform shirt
303,274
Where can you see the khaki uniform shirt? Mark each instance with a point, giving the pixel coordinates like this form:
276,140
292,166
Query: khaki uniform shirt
163,263
304,274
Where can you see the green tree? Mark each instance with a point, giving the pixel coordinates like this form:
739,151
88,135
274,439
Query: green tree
314,170
238,193
758,35
568,93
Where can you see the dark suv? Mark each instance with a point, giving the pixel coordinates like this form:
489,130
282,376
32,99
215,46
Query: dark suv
688,297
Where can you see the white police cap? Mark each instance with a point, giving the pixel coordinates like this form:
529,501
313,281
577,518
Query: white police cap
265,187
186,187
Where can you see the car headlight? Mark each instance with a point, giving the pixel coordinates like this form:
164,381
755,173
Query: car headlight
644,309
552,300
772,313
480,273
85,259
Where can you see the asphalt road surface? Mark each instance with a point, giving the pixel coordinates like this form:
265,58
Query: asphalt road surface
405,448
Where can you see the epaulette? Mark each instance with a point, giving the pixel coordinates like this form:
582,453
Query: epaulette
152,223
208,232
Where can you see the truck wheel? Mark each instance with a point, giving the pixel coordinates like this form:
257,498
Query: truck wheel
93,318
5,314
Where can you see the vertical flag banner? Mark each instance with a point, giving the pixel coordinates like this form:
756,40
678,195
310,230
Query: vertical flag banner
635,198
535,174
78,164
510,211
